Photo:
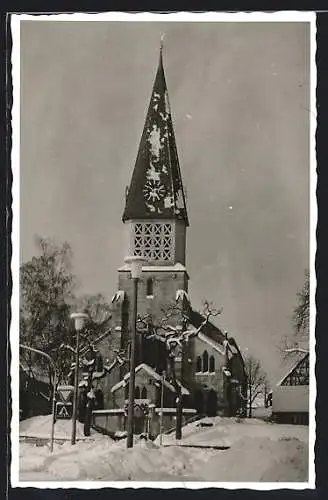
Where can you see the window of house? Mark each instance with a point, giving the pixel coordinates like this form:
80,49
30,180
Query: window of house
198,364
205,361
150,287
212,364
155,241
137,393
144,393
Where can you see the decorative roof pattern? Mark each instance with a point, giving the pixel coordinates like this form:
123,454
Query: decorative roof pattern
156,190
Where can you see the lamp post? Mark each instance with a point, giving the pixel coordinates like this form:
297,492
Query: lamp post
79,321
136,263
55,380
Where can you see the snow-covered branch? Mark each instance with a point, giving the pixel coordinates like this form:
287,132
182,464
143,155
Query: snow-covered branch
300,350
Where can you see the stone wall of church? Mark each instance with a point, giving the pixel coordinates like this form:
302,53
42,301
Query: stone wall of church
165,284
164,287
180,242
207,379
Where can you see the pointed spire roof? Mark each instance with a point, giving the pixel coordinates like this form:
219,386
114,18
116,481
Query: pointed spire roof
156,190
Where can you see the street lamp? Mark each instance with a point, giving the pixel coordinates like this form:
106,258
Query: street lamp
79,321
136,263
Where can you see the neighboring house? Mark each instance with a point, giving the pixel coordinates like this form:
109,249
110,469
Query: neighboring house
290,398
34,392
155,222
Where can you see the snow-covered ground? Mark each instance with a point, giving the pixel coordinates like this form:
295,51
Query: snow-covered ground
258,451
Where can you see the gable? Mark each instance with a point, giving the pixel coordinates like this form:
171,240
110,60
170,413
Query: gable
298,375
208,342
150,372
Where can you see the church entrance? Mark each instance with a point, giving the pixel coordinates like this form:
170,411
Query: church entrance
211,403
139,424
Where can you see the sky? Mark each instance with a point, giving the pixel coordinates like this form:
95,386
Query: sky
239,95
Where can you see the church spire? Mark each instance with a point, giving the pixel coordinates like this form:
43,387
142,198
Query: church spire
156,190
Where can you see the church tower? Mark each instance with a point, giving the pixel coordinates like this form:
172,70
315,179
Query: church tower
155,218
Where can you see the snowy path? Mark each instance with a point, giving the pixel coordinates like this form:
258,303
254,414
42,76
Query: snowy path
259,452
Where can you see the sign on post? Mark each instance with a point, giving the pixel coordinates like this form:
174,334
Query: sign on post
64,407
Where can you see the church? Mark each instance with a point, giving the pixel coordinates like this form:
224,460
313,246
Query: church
155,221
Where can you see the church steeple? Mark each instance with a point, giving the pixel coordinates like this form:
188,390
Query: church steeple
156,190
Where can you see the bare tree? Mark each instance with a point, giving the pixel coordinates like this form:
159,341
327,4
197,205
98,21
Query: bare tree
175,330
46,291
298,342
301,314
90,362
256,381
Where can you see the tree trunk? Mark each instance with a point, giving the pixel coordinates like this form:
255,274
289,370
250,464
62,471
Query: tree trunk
178,429
250,404
178,402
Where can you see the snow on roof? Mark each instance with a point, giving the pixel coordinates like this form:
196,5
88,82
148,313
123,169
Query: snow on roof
211,343
210,330
176,267
156,187
153,374
296,363
182,295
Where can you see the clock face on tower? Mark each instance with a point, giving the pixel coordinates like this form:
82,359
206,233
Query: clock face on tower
154,191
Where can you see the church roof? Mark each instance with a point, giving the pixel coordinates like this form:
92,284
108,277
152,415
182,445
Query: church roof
156,190
211,331
213,343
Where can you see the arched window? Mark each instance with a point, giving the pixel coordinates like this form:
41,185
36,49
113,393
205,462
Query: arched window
212,364
205,361
137,393
198,364
144,393
150,287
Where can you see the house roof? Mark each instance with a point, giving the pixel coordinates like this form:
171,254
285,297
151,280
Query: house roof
156,190
153,374
299,360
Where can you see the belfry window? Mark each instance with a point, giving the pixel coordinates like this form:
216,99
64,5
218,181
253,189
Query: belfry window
144,393
154,241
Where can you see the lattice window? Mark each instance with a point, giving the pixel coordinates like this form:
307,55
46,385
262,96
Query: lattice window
153,241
